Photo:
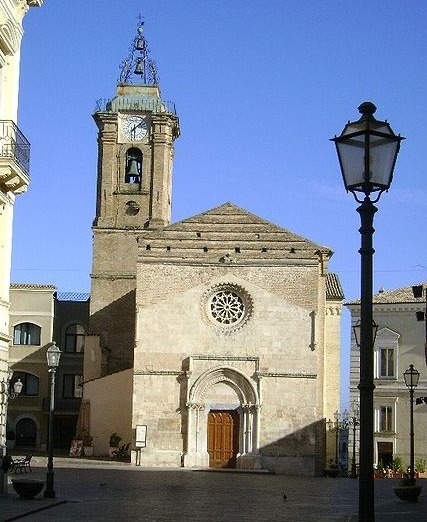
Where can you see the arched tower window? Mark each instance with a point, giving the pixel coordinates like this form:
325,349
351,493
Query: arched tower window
133,166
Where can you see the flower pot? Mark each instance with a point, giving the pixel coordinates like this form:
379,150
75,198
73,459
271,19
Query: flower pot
408,493
27,488
88,451
112,451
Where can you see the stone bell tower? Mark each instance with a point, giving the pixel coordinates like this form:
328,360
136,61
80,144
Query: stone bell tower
136,133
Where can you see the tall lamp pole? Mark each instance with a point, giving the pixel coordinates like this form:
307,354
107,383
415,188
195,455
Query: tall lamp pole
53,355
367,151
411,376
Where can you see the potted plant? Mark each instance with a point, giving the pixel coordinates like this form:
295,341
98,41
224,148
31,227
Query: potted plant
114,443
87,445
421,468
397,467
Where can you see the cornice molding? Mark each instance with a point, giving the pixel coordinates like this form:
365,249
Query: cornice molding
10,37
293,375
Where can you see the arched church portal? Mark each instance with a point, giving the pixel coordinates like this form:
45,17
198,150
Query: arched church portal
222,420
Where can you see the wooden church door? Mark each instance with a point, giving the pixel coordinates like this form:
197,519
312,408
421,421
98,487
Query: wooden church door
223,438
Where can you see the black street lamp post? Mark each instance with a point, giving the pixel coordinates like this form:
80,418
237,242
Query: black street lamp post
367,152
354,422
411,376
53,355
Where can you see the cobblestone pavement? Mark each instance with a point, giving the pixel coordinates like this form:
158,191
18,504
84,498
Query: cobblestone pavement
95,490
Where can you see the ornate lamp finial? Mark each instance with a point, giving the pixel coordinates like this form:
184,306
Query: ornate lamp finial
138,62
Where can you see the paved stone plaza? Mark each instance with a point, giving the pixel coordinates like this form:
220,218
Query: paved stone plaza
94,490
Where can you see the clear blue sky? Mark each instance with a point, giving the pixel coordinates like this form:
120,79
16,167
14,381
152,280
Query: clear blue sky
260,87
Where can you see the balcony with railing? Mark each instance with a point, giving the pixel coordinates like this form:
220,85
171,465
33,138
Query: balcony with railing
14,158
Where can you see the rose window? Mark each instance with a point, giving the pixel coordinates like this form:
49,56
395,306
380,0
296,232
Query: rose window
227,306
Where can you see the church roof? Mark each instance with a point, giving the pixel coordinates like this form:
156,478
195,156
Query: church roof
32,286
228,233
334,289
398,295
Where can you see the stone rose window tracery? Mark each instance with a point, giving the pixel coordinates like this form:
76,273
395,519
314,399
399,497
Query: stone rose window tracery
227,306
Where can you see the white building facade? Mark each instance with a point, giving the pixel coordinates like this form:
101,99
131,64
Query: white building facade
14,158
400,341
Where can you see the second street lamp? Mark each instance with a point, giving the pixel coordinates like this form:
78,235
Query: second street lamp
7,392
53,355
354,422
339,424
367,152
411,376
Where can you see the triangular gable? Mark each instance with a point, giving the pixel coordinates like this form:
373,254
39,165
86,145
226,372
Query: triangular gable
228,233
386,334
232,218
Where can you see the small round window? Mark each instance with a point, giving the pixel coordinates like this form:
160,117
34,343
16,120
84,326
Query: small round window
227,306
131,208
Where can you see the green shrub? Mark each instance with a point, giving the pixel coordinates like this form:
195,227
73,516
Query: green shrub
421,465
115,440
397,464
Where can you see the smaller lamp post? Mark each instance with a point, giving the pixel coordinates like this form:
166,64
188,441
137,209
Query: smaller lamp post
354,422
338,424
7,392
53,355
411,376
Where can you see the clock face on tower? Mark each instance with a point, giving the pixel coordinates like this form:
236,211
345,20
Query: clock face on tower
134,128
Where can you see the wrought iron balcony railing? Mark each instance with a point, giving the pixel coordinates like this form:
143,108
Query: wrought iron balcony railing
13,144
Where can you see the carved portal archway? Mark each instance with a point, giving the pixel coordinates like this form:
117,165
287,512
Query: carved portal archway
243,398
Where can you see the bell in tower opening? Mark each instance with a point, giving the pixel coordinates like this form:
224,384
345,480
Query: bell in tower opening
133,166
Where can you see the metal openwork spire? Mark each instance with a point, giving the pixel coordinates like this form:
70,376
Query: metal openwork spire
138,62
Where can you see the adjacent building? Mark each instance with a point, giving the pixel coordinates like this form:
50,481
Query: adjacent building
14,162
214,341
38,316
400,341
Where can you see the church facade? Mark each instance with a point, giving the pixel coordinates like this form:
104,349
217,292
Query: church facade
214,341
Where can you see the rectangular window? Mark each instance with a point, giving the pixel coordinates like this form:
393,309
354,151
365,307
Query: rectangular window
72,387
31,385
386,418
387,363
26,333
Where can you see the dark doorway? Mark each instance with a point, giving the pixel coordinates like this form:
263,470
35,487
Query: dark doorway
64,430
26,433
385,454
